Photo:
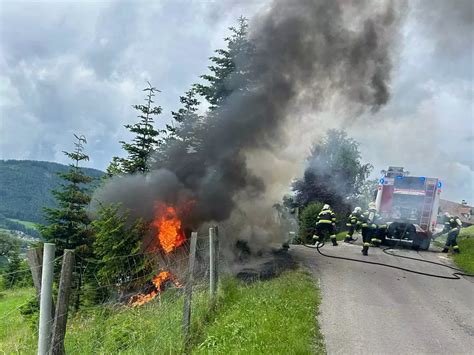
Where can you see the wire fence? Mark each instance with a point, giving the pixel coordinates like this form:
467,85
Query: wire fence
149,291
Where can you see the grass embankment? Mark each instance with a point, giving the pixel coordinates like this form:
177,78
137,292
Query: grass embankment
465,260
13,329
272,317
276,316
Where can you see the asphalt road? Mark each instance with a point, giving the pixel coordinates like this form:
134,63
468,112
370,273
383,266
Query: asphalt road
369,309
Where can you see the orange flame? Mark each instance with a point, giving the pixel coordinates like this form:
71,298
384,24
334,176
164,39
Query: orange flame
170,235
158,282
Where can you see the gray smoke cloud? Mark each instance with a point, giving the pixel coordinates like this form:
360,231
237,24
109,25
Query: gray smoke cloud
306,53
428,125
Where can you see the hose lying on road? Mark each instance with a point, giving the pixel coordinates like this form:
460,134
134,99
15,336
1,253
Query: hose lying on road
455,275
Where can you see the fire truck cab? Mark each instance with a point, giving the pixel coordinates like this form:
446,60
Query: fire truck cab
409,206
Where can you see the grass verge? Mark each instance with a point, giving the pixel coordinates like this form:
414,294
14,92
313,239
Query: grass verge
13,329
153,328
272,317
465,260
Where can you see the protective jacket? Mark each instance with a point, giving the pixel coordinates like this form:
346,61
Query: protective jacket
326,217
368,219
452,223
354,219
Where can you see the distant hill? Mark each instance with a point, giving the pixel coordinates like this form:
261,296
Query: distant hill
25,187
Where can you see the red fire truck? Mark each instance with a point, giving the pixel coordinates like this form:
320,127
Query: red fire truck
409,206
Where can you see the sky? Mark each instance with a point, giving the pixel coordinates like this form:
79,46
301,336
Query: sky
78,67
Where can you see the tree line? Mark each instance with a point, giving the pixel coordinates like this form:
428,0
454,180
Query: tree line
334,175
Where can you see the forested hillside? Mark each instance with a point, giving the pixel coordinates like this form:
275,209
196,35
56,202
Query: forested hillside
25,187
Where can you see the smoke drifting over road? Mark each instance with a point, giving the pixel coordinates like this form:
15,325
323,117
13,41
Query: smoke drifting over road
305,53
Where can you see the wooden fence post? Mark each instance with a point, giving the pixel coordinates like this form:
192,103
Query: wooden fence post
60,321
188,292
213,261
35,259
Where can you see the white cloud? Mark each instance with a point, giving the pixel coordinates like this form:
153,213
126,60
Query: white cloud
78,67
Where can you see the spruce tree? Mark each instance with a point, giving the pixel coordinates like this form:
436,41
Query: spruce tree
68,224
188,119
116,239
114,168
231,70
146,138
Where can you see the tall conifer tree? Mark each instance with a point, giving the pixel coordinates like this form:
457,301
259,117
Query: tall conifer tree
68,224
146,138
231,69
188,119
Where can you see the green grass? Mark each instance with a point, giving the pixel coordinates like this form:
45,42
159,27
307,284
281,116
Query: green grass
13,329
27,224
465,260
467,232
271,317
341,235
155,327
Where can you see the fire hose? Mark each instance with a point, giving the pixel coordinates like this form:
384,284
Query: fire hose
455,275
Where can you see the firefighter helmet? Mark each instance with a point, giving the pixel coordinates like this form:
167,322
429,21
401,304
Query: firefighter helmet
326,207
372,206
357,209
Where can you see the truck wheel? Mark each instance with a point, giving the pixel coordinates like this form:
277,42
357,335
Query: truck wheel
421,242
425,243
416,241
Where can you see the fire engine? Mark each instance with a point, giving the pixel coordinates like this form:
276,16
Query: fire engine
409,206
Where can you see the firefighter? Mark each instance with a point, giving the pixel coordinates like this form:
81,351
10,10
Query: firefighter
368,227
452,226
326,225
380,231
353,223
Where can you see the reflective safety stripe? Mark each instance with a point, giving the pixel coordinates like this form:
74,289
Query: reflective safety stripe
375,240
348,224
325,221
366,244
453,229
365,225
353,220
332,236
383,226
315,237
324,212
456,247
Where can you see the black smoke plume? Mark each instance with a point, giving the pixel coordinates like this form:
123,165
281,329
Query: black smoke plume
306,51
